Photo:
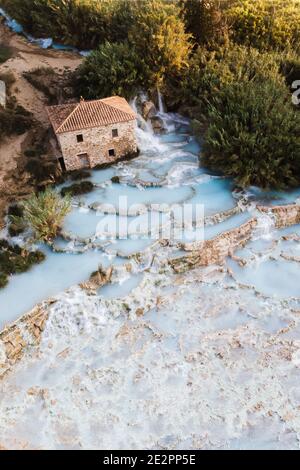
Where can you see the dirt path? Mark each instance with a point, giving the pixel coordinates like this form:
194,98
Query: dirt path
26,57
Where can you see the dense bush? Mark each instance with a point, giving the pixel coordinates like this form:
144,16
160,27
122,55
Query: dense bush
79,174
57,87
157,46
210,70
289,66
14,119
14,259
82,23
41,169
160,41
16,224
83,187
204,20
265,24
113,69
253,135
5,53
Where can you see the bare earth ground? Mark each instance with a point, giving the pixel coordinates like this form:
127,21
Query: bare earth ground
13,181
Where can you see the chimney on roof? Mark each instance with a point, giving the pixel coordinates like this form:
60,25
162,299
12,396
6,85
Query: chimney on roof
81,99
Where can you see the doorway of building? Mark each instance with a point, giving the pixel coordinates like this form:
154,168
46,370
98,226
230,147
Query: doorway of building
84,160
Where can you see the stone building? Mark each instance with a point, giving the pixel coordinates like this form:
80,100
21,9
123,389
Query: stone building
92,133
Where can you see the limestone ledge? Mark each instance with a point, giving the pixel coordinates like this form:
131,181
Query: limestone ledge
284,215
24,332
215,250
28,329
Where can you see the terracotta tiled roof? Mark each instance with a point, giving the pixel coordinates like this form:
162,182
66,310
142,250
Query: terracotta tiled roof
87,114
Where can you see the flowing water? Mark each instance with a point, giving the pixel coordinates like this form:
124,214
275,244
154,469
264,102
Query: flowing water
164,162
205,359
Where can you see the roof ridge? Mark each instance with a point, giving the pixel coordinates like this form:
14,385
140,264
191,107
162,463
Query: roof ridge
68,117
116,107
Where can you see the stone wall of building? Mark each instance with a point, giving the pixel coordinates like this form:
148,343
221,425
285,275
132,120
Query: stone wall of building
96,144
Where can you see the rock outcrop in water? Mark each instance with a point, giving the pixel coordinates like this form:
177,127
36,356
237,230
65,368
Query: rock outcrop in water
148,110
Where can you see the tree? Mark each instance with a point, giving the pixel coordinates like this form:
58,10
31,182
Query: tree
80,23
253,135
204,20
112,69
211,70
265,24
159,38
45,212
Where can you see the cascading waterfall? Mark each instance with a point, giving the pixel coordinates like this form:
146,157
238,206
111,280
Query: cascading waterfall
161,106
265,226
145,135
142,123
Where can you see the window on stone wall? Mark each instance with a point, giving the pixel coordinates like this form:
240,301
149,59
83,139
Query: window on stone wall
79,138
115,133
111,152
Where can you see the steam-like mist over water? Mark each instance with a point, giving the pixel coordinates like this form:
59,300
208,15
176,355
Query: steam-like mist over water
205,359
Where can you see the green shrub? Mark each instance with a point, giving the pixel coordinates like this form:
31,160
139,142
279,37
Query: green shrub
45,213
79,175
210,70
265,24
157,46
112,69
12,121
82,23
41,169
253,135
204,20
160,41
16,224
31,153
289,66
14,259
5,53
3,280
15,229
76,189
115,179
15,210
39,78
